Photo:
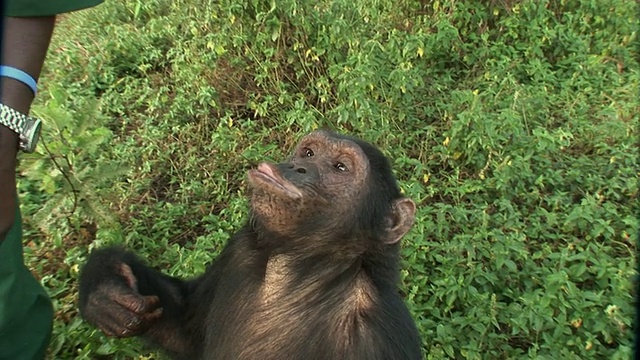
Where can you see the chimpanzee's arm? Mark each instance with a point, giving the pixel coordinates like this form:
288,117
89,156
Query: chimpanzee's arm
123,297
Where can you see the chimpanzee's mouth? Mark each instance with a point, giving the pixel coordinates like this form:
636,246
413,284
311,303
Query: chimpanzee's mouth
265,175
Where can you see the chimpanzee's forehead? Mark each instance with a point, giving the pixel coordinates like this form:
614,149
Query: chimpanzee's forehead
330,137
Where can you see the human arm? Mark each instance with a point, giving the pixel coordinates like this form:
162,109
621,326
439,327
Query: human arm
25,41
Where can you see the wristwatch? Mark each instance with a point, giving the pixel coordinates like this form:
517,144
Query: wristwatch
27,127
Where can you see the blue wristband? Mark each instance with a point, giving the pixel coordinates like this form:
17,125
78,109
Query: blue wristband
23,77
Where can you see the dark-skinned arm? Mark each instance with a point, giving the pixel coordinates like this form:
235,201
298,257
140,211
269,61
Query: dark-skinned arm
25,41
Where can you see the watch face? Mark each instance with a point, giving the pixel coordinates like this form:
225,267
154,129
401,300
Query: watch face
30,134
36,136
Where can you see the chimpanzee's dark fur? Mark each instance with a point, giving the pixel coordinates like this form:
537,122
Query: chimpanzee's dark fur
312,275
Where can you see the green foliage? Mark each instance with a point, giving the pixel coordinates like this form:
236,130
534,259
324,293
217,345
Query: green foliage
71,157
511,123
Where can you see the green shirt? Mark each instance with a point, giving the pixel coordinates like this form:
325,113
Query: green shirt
27,8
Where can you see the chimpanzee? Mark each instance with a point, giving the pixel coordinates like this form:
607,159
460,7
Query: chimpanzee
312,275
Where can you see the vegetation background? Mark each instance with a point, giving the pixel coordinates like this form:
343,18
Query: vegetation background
512,123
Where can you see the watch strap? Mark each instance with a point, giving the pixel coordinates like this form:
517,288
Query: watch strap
27,128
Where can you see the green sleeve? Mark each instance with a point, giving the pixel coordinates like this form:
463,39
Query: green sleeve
28,8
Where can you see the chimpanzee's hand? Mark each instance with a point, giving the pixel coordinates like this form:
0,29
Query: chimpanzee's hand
111,302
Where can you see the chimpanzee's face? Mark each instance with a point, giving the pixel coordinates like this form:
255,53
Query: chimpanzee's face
318,187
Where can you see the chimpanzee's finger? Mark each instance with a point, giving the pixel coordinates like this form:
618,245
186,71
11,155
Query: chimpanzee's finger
133,323
137,303
111,324
140,323
152,303
121,312
152,317
123,323
127,273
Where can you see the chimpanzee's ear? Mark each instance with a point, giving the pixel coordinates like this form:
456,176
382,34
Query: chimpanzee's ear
403,213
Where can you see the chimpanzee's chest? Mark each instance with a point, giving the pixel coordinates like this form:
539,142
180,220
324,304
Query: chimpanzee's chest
269,326
275,318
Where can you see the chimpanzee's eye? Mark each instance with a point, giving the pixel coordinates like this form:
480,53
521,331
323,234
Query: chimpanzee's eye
307,152
340,166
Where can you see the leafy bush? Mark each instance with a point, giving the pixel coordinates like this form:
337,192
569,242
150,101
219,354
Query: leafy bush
511,123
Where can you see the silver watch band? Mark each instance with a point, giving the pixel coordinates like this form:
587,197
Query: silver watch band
27,128
11,118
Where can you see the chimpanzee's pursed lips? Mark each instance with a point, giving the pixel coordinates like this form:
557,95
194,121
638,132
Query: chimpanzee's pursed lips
265,173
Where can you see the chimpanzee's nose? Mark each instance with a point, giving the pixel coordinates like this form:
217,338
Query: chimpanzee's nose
298,169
